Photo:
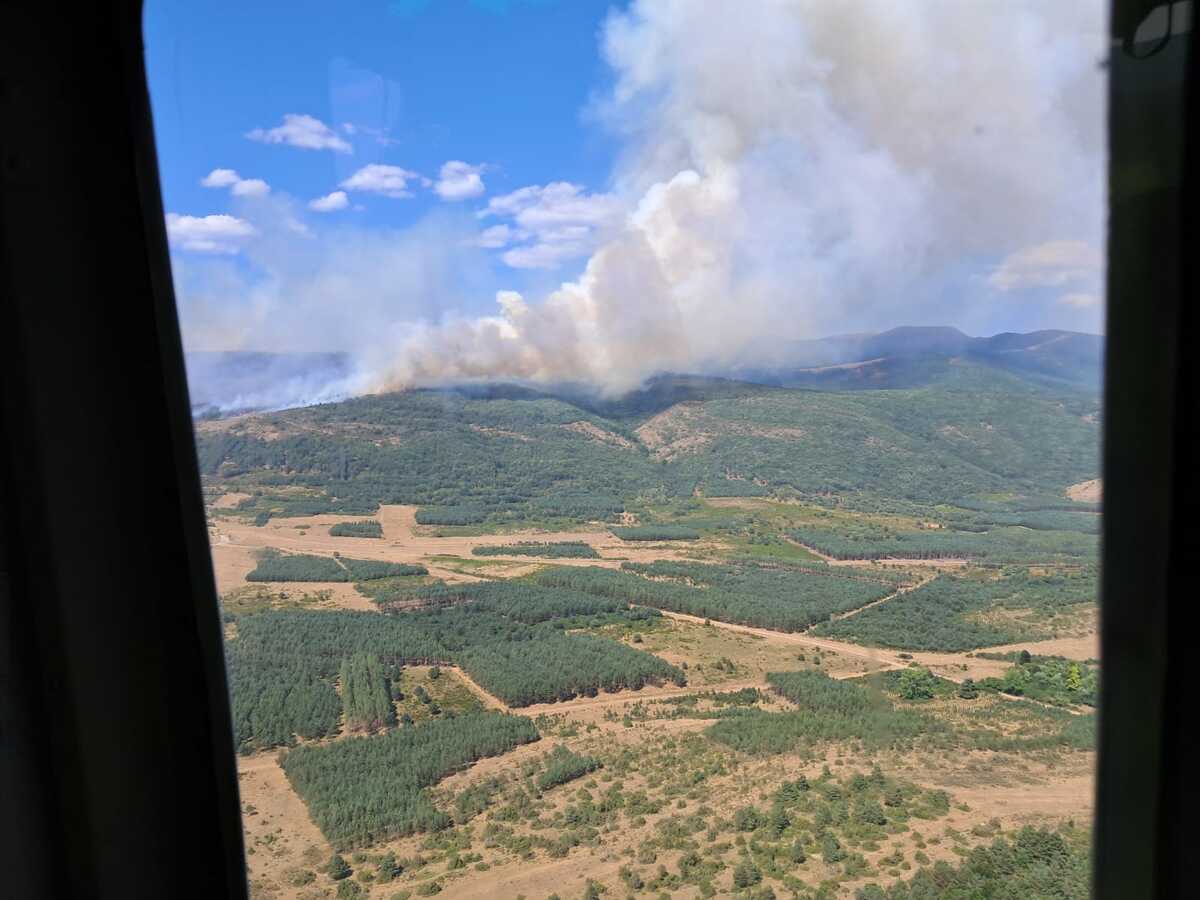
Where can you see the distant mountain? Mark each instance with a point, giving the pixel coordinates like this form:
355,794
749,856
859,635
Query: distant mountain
237,381
911,356
907,357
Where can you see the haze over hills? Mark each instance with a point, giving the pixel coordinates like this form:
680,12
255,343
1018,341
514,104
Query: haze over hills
932,417
910,356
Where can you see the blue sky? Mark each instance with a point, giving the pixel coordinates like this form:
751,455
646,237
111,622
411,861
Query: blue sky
549,189
499,84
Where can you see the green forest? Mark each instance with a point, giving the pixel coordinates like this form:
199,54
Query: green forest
513,456
780,597
283,663
276,566
364,790
939,615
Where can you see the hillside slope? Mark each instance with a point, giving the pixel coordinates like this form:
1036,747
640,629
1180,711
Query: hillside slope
511,454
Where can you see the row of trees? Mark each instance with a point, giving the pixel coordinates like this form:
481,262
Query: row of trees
550,550
848,539
656,533
369,528
364,790
777,597
276,566
366,693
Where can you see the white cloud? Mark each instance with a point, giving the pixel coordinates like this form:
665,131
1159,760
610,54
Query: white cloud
238,186
496,236
209,234
1079,301
560,219
459,181
1050,264
250,187
330,202
219,178
302,131
391,181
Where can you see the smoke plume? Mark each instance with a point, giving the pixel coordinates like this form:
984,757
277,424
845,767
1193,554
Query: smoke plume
797,166
792,168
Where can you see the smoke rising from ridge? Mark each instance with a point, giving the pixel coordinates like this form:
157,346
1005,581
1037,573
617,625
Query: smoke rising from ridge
790,168
791,165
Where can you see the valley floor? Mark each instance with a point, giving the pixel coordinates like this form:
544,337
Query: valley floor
989,791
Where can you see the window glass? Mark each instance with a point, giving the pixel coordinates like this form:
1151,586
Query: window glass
652,447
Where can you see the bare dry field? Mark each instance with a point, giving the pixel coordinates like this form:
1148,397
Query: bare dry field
1087,491
234,542
279,834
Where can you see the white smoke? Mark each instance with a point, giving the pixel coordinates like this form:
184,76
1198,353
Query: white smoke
795,166
790,168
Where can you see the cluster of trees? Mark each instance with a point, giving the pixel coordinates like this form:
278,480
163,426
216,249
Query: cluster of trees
276,566
1049,679
656,533
366,693
283,662
530,603
779,597
562,765
561,666
277,697
859,540
450,515
369,528
1036,862
361,791
372,569
551,549
938,615
828,710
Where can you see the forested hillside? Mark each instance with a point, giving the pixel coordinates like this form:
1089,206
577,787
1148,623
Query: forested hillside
974,434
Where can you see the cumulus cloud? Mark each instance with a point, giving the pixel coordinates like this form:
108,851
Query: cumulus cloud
209,234
497,236
459,181
1049,264
304,131
250,187
560,221
238,186
390,181
330,202
219,178
1080,301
